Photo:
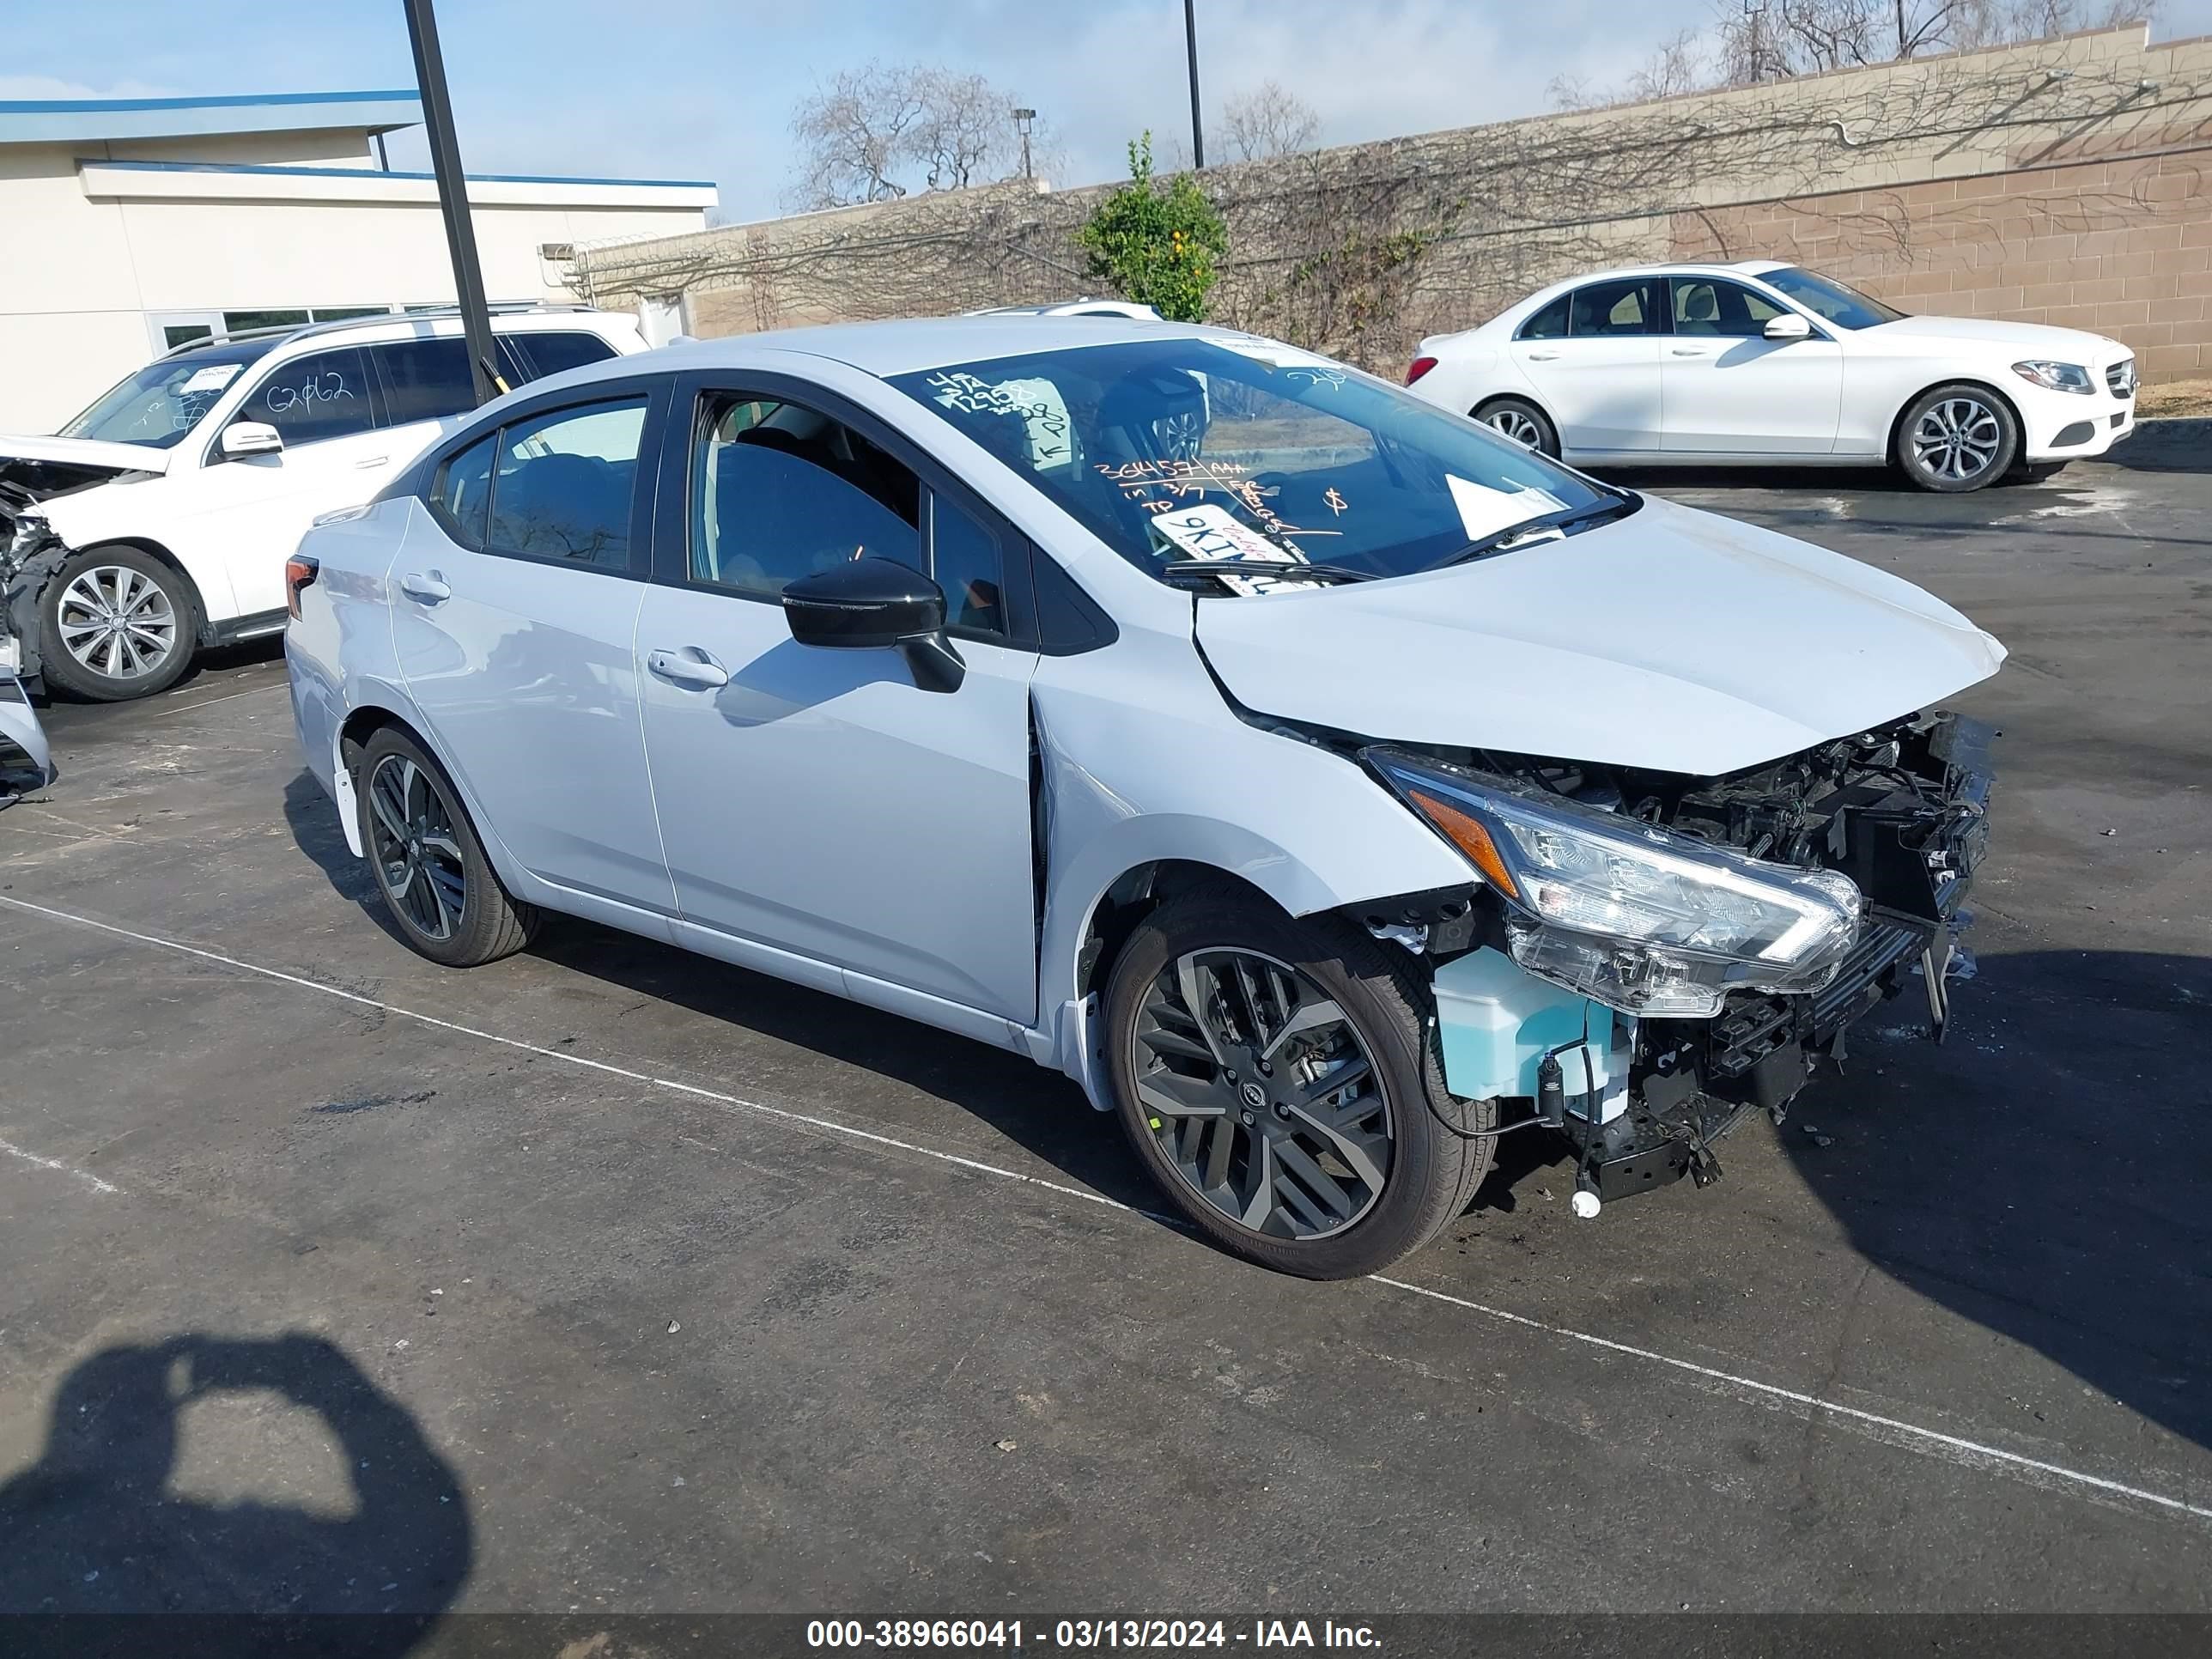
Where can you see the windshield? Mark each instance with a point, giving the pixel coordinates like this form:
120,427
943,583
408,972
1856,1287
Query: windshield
165,399
1847,307
1234,448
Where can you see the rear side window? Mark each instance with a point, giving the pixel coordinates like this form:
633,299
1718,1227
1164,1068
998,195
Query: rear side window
309,399
426,379
1549,323
1628,307
461,496
566,484
549,354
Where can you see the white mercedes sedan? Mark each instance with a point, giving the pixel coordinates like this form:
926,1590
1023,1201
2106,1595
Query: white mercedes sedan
1326,784
1767,362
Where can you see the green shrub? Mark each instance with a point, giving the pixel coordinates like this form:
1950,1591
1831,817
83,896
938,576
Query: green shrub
1161,247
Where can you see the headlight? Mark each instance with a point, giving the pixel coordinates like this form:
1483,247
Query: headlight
1647,921
2055,377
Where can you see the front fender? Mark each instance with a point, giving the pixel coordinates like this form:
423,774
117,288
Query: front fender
1141,759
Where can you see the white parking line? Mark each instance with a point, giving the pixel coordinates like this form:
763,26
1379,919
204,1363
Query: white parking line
58,1167
206,702
1973,1453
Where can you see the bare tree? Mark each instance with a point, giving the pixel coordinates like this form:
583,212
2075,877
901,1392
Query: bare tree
877,132
1752,41
966,134
1269,120
853,134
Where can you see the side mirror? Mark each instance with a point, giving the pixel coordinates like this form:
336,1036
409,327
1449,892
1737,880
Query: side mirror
866,604
244,438
1787,326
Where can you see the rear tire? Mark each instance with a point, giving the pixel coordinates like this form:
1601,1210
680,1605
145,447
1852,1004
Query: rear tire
1359,1168
1957,438
1522,421
116,623
430,868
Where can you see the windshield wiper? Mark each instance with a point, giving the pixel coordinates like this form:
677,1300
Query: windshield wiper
1281,571
1552,527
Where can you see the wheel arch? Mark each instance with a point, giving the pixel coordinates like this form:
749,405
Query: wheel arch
376,709
1530,398
153,550
1126,901
2011,408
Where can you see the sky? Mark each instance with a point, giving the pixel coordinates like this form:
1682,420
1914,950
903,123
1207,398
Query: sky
704,89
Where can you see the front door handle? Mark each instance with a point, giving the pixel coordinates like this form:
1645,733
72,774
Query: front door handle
428,586
1692,351
688,667
367,461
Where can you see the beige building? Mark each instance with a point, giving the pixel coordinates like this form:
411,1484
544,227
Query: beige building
134,225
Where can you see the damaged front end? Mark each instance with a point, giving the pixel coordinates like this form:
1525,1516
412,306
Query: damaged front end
30,552
1657,956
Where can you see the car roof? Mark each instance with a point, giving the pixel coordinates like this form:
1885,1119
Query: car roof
903,347
437,322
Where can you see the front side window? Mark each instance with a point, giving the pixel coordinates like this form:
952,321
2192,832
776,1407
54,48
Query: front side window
1628,307
1706,307
964,560
1190,449
1824,296
566,483
779,491
163,401
310,399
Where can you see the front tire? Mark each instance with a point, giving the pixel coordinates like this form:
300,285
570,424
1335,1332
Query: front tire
116,623
1522,421
1957,438
430,868
1278,1079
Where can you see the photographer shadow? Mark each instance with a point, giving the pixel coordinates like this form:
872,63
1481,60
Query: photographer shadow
93,1527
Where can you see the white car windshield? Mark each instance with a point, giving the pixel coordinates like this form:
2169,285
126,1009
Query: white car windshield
165,399
1231,448
1847,307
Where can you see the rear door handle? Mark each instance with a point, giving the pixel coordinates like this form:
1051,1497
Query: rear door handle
367,461
430,588
1541,356
688,667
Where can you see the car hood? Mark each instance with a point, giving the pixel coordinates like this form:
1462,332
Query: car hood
2036,339
1671,641
84,451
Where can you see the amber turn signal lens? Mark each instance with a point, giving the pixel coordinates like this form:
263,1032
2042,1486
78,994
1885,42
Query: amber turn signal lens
1466,833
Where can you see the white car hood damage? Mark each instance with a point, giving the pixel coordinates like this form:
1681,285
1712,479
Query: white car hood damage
84,451
1671,641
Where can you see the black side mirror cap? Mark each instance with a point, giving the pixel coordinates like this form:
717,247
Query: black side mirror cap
869,604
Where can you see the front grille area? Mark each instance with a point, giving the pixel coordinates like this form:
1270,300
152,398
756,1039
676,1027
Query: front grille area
1880,947
2121,378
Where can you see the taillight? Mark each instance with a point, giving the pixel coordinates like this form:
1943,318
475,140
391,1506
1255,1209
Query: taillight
1418,368
299,572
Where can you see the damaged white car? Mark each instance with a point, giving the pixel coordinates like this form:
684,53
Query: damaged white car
1326,783
157,522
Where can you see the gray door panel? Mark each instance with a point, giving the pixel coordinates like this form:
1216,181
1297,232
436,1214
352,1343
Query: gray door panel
819,803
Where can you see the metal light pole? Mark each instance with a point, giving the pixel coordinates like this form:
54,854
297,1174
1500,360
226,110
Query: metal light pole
453,199
1022,119
1190,42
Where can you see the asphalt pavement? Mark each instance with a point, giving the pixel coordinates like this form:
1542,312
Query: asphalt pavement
612,1279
